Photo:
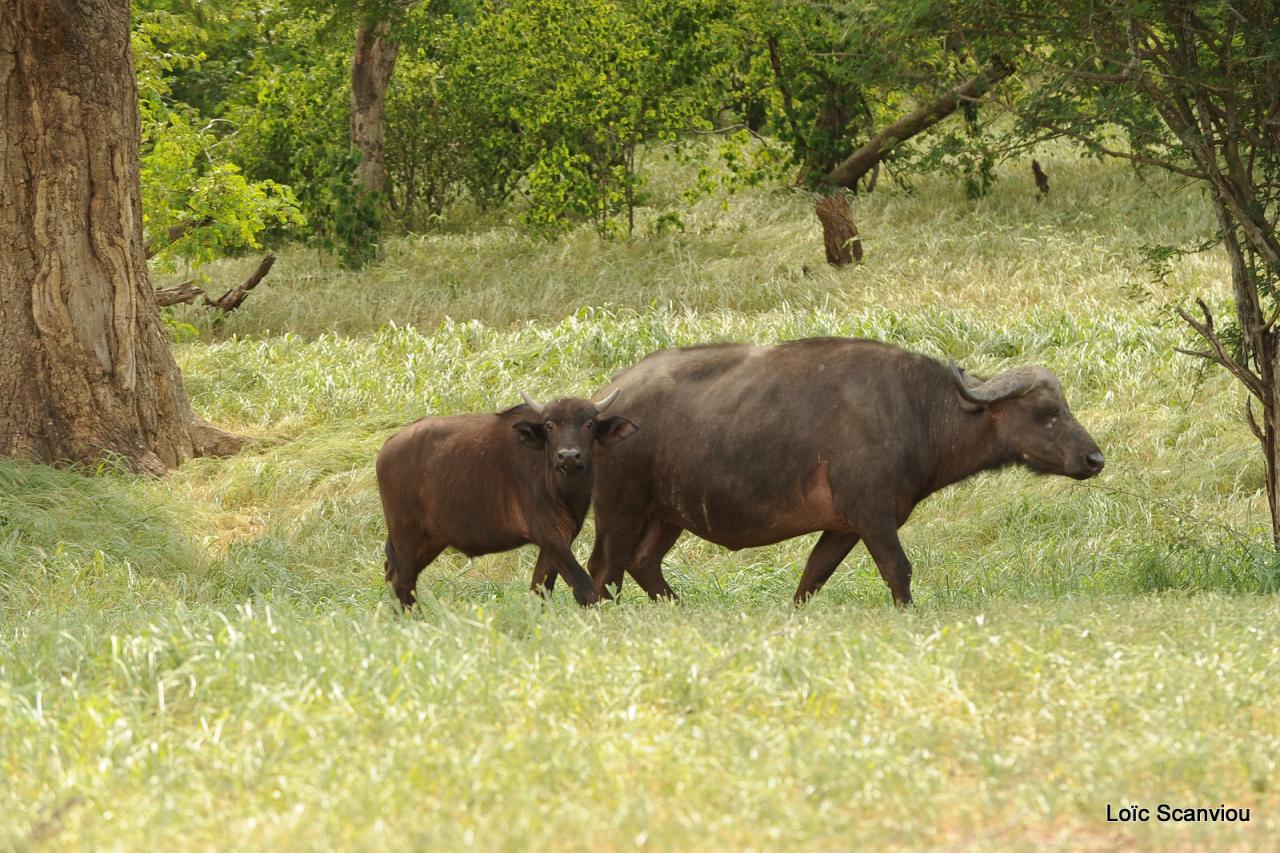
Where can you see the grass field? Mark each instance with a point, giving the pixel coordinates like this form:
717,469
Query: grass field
211,660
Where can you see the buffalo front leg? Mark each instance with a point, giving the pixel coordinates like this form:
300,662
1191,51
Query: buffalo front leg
832,547
544,575
891,560
559,555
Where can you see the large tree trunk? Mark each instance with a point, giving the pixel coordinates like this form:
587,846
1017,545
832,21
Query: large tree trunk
862,161
371,66
85,365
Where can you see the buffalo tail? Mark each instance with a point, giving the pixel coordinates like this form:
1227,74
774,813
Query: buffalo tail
392,565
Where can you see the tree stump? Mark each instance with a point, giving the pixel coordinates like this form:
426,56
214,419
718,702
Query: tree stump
840,235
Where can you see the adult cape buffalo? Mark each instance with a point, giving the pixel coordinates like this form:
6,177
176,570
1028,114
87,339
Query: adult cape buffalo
749,445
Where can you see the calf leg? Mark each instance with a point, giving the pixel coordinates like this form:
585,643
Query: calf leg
886,549
560,555
544,575
405,563
832,547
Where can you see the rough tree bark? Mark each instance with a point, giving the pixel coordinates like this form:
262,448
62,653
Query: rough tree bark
850,171
85,365
372,63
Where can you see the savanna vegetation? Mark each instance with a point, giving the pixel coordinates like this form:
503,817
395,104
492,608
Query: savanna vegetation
212,659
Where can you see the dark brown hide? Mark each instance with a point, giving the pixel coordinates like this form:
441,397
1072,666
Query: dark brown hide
747,445
493,482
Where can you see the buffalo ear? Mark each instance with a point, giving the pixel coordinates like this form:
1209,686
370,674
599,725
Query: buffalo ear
612,430
531,434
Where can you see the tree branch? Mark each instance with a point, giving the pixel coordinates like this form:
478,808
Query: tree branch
175,233
1205,329
857,164
788,106
1248,416
1128,155
231,300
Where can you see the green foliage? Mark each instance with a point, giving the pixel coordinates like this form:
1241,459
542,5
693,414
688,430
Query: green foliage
823,77
196,203
423,148
183,182
555,98
295,131
745,160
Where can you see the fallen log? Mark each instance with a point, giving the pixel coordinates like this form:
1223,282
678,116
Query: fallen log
188,292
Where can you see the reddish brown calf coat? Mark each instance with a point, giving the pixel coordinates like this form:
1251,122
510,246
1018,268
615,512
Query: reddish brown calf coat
486,483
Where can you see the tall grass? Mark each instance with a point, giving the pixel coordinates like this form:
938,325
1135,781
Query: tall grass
211,660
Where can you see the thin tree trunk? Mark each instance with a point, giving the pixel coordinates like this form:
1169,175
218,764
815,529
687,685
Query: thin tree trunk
1257,367
1260,342
881,144
372,63
85,365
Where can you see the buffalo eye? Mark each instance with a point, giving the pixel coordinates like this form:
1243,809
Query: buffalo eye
1047,416
589,426
549,426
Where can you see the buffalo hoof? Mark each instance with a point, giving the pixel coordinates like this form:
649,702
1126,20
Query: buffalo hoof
587,597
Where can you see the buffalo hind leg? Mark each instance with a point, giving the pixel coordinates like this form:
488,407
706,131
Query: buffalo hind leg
403,569
615,544
646,563
823,560
886,549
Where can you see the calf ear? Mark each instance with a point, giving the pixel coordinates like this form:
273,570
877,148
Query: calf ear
531,434
612,430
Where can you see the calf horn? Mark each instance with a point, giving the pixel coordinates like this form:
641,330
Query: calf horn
531,403
1011,383
604,404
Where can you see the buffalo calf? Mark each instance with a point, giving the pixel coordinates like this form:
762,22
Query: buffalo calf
486,483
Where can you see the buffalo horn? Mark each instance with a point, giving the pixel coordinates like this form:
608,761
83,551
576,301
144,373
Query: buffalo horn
532,403
1011,383
604,404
